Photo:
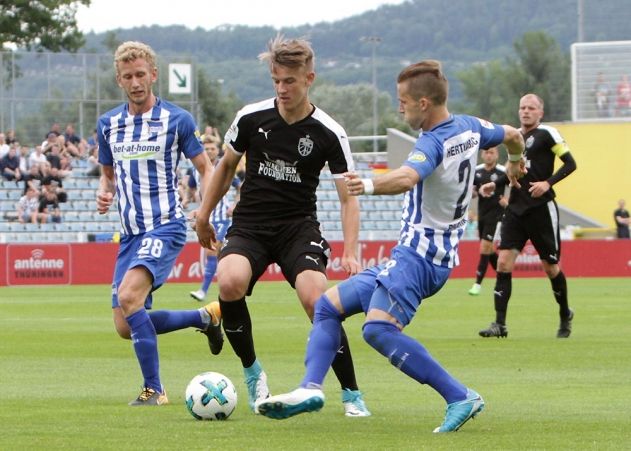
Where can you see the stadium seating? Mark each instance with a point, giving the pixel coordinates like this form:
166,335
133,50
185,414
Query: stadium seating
81,222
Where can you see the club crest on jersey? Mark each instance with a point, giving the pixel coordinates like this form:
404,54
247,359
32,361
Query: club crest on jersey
305,146
155,128
530,141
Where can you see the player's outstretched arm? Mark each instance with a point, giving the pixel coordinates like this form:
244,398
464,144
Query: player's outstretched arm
394,182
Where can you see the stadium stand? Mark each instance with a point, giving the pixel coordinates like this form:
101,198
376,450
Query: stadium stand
81,222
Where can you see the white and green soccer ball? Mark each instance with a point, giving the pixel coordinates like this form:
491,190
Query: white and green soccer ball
211,396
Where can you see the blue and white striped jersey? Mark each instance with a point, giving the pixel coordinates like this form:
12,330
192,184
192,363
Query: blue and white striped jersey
435,210
145,151
220,213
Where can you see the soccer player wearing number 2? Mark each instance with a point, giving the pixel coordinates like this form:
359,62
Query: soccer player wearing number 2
437,179
140,145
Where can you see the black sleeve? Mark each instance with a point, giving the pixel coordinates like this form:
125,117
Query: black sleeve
569,166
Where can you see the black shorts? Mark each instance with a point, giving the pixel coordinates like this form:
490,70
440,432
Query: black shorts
487,225
295,247
540,225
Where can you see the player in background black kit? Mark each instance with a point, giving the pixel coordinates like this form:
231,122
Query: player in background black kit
490,211
287,141
532,214
621,217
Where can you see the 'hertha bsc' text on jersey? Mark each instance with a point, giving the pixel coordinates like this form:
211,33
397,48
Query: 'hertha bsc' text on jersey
284,161
434,211
145,151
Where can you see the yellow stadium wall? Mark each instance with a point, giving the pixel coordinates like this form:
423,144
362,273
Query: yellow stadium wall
603,156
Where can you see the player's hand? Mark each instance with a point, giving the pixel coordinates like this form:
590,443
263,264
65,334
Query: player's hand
351,265
354,183
487,189
205,234
104,201
538,189
515,170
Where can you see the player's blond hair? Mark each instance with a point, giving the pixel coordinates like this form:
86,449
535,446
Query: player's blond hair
426,79
133,50
289,53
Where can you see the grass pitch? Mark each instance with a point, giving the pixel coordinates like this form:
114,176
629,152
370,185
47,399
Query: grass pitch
66,377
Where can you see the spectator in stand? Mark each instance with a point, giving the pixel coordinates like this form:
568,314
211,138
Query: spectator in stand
621,216
53,154
28,206
4,147
53,182
93,140
37,157
55,129
601,95
50,139
10,137
94,168
49,207
33,178
10,165
75,146
623,96
23,153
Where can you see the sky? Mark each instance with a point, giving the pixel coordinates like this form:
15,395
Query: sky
103,15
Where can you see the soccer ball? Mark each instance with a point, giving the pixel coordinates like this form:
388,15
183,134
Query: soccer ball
211,396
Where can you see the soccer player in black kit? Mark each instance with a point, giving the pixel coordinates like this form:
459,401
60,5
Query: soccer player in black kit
532,214
288,141
490,211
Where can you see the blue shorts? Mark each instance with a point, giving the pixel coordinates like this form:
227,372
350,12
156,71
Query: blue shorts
156,250
221,228
408,279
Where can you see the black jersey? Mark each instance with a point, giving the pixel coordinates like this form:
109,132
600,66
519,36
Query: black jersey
543,144
284,161
622,230
490,205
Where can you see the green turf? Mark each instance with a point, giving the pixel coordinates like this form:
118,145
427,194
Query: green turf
66,378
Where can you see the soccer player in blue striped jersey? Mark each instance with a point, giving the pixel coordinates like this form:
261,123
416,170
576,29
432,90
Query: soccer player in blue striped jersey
437,179
141,143
220,218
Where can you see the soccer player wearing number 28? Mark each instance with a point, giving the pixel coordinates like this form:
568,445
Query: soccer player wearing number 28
140,145
437,180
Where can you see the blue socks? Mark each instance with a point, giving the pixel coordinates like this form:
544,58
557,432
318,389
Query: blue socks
169,320
323,344
209,272
412,358
144,339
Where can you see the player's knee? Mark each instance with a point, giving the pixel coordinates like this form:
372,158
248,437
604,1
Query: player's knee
324,310
376,333
231,285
